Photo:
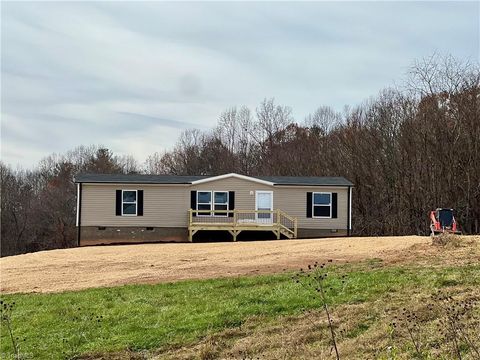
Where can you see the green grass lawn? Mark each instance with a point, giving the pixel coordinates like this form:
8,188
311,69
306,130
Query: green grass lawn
162,316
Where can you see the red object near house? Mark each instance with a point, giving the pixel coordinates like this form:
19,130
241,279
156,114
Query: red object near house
443,221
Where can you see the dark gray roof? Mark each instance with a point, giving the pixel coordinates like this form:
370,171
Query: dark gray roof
174,179
306,180
136,178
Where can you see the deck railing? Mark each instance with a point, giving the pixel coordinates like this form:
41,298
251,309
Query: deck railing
244,219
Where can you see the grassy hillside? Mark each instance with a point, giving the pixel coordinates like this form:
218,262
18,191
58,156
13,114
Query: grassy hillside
270,316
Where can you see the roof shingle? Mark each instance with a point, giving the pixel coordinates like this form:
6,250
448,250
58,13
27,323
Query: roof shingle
136,178
175,179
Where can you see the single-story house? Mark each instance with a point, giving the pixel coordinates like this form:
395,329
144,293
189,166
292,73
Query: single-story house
114,208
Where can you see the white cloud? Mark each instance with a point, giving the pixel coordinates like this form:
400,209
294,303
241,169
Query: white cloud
138,73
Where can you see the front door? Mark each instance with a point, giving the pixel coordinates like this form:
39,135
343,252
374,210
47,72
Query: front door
264,201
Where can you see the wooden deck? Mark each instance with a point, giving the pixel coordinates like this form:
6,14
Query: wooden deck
236,221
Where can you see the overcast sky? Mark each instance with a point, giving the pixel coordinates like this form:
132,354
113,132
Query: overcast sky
132,76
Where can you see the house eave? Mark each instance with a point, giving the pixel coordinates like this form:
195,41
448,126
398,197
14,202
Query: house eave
313,185
234,175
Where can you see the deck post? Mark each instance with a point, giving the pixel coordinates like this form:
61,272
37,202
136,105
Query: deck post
234,234
235,219
295,228
279,222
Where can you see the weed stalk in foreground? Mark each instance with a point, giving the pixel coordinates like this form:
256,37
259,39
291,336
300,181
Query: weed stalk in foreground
83,324
6,310
314,280
456,323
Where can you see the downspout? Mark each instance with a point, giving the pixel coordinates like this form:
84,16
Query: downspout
79,211
349,215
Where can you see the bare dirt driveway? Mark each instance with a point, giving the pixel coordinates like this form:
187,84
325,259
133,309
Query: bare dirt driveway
97,266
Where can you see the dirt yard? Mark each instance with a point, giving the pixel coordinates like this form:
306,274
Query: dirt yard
97,266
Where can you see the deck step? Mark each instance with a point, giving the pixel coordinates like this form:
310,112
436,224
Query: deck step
288,234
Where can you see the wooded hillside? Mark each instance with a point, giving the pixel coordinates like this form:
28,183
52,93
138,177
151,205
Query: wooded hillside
408,150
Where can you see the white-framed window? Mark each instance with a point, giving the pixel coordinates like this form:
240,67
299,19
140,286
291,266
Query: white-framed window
220,202
204,203
322,205
129,203
209,201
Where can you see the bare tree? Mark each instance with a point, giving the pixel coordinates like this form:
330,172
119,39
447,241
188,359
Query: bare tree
16,210
324,119
407,150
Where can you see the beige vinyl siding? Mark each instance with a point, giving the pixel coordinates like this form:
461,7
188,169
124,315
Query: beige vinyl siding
243,199
293,200
290,199
167,205
163,205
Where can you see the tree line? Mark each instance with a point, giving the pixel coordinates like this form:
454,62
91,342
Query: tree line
408,150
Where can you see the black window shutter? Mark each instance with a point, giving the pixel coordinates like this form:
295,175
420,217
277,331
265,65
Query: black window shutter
140,203
334,205
231,202
193,201
118,203
309,204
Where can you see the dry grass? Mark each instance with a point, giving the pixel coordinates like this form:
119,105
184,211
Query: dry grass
367,328
102,266
366,321
458,250
450,241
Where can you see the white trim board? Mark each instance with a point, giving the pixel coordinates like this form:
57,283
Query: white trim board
234,175
130,202
313,205
350,210
77,219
